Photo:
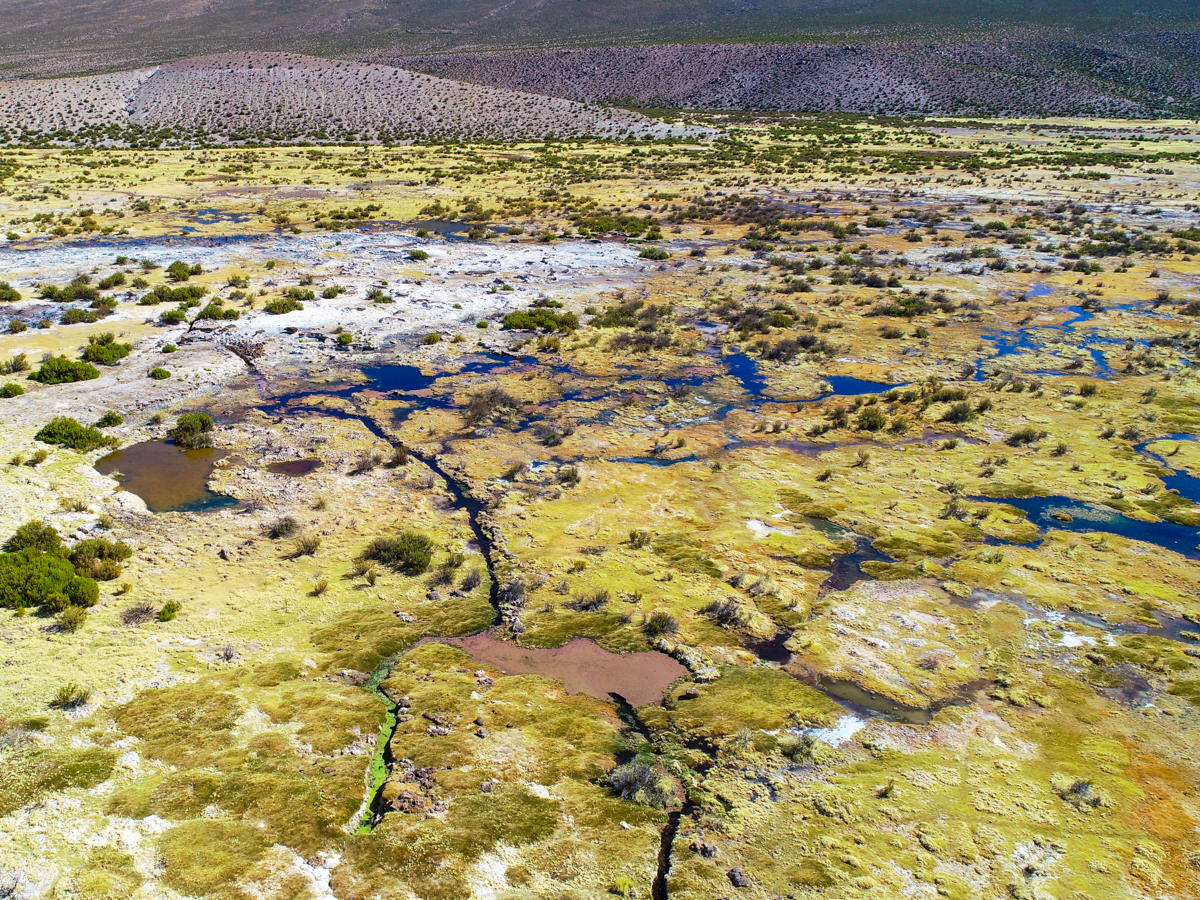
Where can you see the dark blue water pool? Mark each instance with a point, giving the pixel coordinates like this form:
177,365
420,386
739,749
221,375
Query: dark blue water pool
1086,517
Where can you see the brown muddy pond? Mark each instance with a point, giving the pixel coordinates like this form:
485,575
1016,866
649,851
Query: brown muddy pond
294,467
166,477
582,666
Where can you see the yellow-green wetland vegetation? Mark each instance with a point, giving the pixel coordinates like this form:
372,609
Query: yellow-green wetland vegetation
798,506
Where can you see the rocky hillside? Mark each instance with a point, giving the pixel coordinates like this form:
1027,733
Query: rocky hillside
286,96
1030,77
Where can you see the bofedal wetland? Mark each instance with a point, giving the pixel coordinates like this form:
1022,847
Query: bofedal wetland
798,506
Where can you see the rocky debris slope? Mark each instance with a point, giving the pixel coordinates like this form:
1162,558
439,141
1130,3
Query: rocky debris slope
1014,77
292,96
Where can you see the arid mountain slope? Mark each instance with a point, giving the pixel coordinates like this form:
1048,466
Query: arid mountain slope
1030,77
68,36
292,96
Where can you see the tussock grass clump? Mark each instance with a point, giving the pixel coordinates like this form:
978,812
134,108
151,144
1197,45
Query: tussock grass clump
637,782
659,623
138,614
70,696
410,552
281,528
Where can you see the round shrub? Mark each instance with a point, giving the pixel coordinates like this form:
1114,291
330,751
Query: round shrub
158,373
192,431
11,390
60,370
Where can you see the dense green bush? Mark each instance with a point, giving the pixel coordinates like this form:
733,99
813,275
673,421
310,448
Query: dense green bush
67,432
76,316
11,389
158,373
36,536
99,559
173,317
35,571
187,294
60,370
540,318
419,255
110,419
656,253
409,552
181,271
192,430
78,289
282,305
8,293
115,280
104,349
217,312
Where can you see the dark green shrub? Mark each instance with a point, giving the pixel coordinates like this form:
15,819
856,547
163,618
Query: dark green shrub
282,305
192,431
11,389
217,312
67,432
98,558
115,280
104,349
871,418
540,318
169,610
60,370
345,338
409,552
958,413
158,373
169,348
75,316
180,271
418,255
110,420
173,317
34,536
187,294
431,339
655,253
8,293
79,289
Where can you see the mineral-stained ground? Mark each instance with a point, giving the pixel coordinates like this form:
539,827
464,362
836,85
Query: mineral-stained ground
809,511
